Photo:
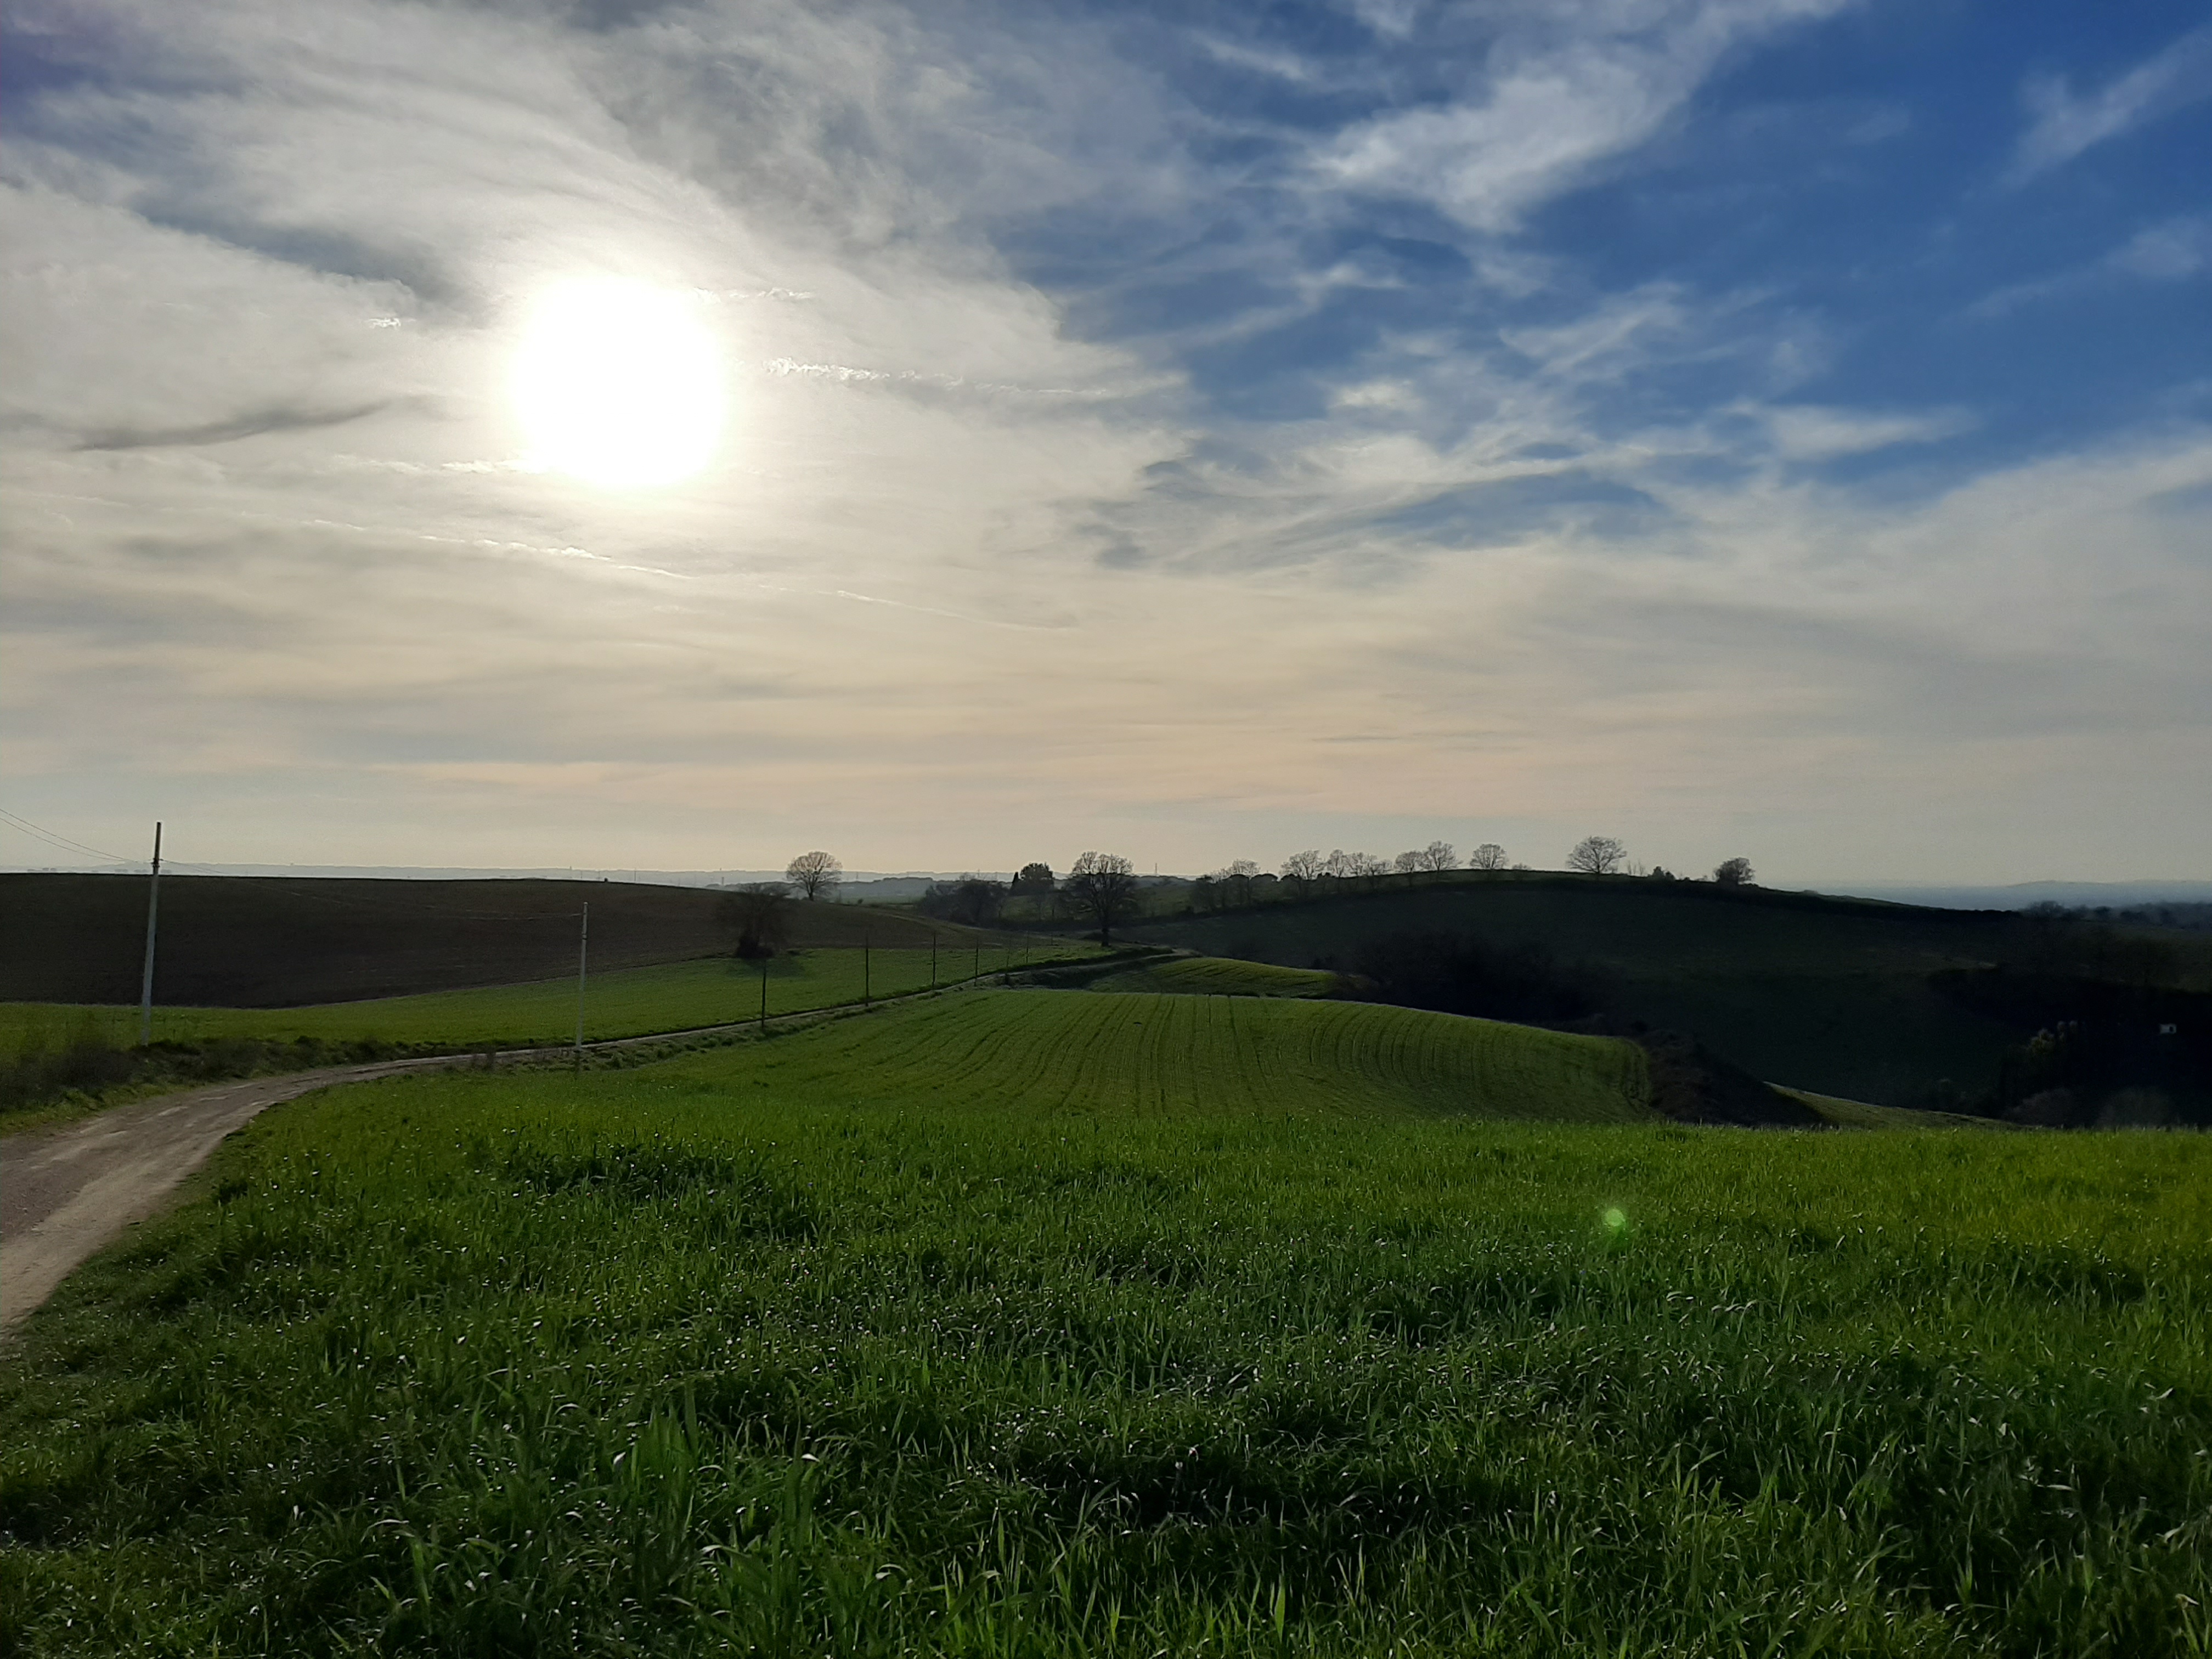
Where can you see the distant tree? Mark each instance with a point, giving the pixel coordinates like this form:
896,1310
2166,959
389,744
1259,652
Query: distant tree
1339,864
1597,856
1439,855
1410,864
1303,869
974,900
1661,872
815,875
1034,878
759,915
1233,882
1488,856
1733,872
1366,868
1102,886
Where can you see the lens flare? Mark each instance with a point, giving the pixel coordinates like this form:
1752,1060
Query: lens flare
1616,1222
618,383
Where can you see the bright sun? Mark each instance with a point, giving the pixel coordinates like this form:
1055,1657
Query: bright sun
619,383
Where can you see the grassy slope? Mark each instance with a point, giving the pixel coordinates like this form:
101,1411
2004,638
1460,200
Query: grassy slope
1147,1054
266,942
763,1352
1830,996
1221,976
628,1002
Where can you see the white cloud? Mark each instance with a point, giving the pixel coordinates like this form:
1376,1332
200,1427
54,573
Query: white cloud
1563,89
2171,251
2063,124
967,586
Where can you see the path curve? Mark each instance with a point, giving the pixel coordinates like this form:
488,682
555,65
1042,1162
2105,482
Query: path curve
67,1191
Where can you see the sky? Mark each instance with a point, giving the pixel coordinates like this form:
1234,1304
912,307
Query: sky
1195,431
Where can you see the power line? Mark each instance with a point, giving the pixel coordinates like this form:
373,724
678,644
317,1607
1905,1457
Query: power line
55,838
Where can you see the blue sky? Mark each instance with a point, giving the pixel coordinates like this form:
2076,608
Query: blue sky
1766,426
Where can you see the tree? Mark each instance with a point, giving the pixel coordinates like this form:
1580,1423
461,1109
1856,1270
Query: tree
1303,869
1410,864
815,875
1365,866
1034,878
760,916
1597,856
1733,872
1439,855
974,900
1488,856
1104,887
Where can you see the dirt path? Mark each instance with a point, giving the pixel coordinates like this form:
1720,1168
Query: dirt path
67,1191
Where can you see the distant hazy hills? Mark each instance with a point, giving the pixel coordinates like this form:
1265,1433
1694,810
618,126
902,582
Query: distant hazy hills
2019,895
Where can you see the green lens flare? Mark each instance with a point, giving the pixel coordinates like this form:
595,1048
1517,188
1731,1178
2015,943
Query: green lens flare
1616,1221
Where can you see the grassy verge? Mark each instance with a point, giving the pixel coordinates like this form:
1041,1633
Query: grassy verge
802,1348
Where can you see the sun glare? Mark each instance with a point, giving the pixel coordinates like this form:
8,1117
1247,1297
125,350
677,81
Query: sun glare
619,383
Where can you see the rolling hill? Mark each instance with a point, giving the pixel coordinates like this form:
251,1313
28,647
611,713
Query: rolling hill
1827,994
1153,1055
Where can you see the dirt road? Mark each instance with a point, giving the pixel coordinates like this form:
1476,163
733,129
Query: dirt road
65,1192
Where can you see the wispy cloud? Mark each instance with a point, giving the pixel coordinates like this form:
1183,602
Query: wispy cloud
1559,92
1132,428
2171,251
2062,123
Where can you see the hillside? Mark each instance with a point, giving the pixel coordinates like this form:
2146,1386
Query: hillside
1226,977
1151,1055
251,942
1827,994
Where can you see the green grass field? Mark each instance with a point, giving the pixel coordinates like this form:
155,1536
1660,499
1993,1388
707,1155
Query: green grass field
628,1002
1221,976
959,1330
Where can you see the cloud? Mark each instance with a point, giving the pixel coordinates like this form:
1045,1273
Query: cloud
2174,250
1107,466
1562,89
2063,124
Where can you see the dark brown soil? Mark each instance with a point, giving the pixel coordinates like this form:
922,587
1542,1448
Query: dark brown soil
272,942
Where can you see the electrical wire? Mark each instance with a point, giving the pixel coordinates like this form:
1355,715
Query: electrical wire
55,838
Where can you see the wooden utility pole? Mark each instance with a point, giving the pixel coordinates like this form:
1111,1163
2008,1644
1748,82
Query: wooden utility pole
763,1013
933,958
146,979
583,957
864,970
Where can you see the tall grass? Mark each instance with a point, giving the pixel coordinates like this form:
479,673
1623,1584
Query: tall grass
744,1353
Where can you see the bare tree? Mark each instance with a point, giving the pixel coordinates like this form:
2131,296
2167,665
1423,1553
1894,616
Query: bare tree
1439,855
1303,869
1597,856
1104,887
1233,881
1733,872
1410,864
760,916
1034,878
1339,864
1488,856
976,900
815,875
1365,867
